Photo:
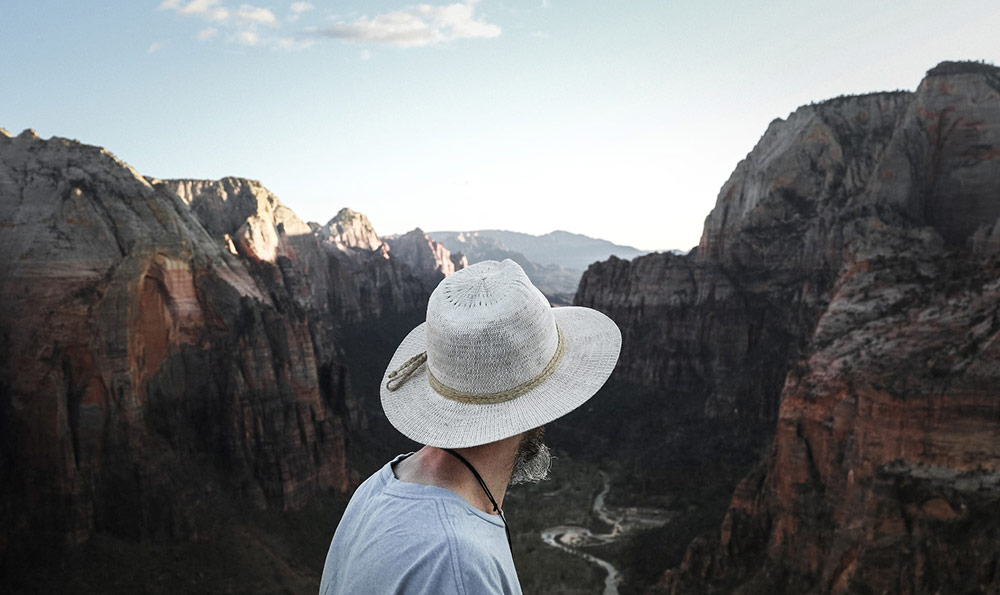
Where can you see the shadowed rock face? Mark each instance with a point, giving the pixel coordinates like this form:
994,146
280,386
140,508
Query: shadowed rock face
845,291
168,348
884,475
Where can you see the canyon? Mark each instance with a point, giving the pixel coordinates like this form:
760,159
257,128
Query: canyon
817,377
172,347
841,314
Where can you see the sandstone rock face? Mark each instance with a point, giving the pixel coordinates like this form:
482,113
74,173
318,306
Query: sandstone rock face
717,328
350,230
884,475
370,282
428,259
845,275
340,270
941,166
170,347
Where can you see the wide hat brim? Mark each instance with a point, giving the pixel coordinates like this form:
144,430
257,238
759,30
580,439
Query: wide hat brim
591,342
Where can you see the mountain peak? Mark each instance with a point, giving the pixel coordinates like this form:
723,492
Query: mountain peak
428,258
350,229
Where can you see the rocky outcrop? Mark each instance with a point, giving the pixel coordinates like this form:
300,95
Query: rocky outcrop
341,270
849,247
170,348
885,470
428,259
140,358
370,282
351,231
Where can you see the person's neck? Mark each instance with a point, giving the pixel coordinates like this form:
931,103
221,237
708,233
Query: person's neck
434,466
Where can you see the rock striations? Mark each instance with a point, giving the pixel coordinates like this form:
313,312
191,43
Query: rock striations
845,291
170,345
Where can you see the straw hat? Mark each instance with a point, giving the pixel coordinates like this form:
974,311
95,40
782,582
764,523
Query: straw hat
494,359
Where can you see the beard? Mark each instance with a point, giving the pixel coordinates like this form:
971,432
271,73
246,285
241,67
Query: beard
533,458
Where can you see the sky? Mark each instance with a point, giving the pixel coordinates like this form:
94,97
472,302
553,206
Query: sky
618,120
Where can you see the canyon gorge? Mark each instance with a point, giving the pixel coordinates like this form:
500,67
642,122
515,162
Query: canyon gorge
819,375
844,293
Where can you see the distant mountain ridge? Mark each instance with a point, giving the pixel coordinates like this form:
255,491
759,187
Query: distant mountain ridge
563,248
554,262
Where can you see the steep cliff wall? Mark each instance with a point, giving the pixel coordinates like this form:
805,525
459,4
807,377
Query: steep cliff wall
169,348
847,274
717,329
884,475
371,283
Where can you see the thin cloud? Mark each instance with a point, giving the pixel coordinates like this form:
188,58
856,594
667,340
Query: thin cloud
297,9
247,37
206,9
254,14
241,25
155,46
540,35
416,26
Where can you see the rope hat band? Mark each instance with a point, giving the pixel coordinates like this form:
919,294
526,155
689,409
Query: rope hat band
493,359
398,376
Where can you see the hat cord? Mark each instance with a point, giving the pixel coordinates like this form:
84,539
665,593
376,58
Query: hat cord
482,483
398,376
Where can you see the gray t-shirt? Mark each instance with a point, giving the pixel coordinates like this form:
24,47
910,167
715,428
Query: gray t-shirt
398,537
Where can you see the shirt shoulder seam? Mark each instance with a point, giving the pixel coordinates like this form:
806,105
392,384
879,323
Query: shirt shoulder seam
452,549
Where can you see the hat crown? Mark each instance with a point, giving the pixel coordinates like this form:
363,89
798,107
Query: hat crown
489,329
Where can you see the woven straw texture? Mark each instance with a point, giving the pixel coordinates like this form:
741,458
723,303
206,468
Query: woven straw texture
489,330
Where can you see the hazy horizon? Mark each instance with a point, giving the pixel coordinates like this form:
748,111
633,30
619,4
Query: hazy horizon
618,122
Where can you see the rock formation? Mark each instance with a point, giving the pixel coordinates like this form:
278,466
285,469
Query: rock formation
171,348
369,283
428,259
351,231
847,274
884,473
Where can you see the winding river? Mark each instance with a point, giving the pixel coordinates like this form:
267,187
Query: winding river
571,538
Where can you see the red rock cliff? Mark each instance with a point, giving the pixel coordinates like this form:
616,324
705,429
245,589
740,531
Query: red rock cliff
168,347
884,475
845,290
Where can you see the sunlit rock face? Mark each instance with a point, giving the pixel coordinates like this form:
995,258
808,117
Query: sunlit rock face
369,282
845,289
428,259
170,348
350,231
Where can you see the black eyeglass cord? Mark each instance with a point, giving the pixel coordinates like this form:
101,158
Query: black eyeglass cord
482,483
